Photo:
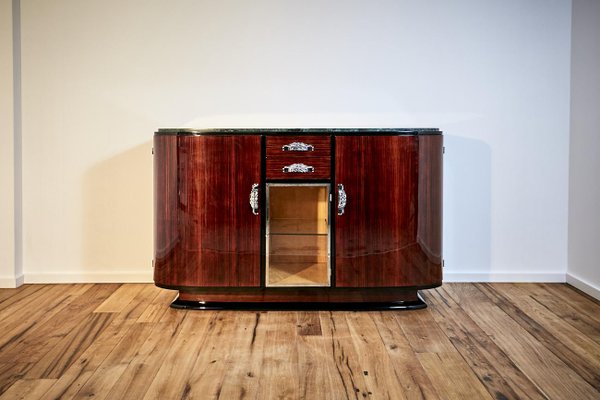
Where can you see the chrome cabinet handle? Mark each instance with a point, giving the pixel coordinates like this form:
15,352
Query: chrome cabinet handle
298,146
341,199
254,199
302,168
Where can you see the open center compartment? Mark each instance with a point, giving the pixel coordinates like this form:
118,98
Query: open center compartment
298,235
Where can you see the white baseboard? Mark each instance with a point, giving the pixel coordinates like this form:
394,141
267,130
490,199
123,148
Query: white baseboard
89,277
146,277
584,286
503,277
11,282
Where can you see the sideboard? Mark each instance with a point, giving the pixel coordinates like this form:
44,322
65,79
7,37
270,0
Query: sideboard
298,218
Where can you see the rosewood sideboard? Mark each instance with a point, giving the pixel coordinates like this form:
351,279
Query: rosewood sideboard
298,218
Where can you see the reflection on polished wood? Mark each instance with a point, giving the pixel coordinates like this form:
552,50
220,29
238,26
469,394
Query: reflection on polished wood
474,341
390,233
206,234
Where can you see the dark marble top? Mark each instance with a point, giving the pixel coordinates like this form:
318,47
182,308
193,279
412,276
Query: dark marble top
299,131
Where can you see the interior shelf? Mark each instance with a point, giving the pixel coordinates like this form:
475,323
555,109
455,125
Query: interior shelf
298,226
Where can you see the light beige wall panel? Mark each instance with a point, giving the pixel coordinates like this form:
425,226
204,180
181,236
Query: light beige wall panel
584,187
7,172
100,76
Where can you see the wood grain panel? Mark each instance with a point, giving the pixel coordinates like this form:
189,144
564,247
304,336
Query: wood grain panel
501,377
423,333
321,144
279,370
502,341
377,368
27,389
275,164
113,367
243,377
21,324
527,352
377,238
144,365
565,309
319,159
170,382
571,296
120,298
83,367
408,369
13,296
308,324
347,371
51,327
206,233
575,350
314,382
12,372
453,377
61,356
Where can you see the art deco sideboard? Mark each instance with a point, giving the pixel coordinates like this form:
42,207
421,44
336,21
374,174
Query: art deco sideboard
298,218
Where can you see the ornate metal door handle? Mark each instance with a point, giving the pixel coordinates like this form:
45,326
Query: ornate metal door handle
254,199
298,146
341,199
302,168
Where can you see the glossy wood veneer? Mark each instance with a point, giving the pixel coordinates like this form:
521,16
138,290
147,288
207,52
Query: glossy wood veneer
319,158
390,232
321,167
387,245
321,146
206,233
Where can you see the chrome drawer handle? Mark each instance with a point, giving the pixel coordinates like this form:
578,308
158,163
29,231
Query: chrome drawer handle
298,146
302,168
341,199
254,199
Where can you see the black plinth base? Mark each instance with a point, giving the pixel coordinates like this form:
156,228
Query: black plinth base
299,306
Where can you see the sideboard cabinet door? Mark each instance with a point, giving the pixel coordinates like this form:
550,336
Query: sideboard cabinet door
207,234
378,236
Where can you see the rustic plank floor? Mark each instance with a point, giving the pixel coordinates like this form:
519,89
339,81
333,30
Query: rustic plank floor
474,341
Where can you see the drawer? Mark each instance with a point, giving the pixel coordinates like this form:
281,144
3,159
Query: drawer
307,146
298,157
295,167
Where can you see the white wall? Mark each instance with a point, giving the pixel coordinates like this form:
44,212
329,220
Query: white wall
584,184
7,246
10,271
99,77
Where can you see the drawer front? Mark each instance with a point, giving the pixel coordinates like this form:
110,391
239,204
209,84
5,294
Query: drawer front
295,167
307,146
298,157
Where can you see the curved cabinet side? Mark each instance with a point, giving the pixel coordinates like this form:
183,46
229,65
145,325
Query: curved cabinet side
166,231
206,233
429,206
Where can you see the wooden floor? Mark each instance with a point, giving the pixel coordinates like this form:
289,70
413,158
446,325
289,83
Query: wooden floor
475,341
